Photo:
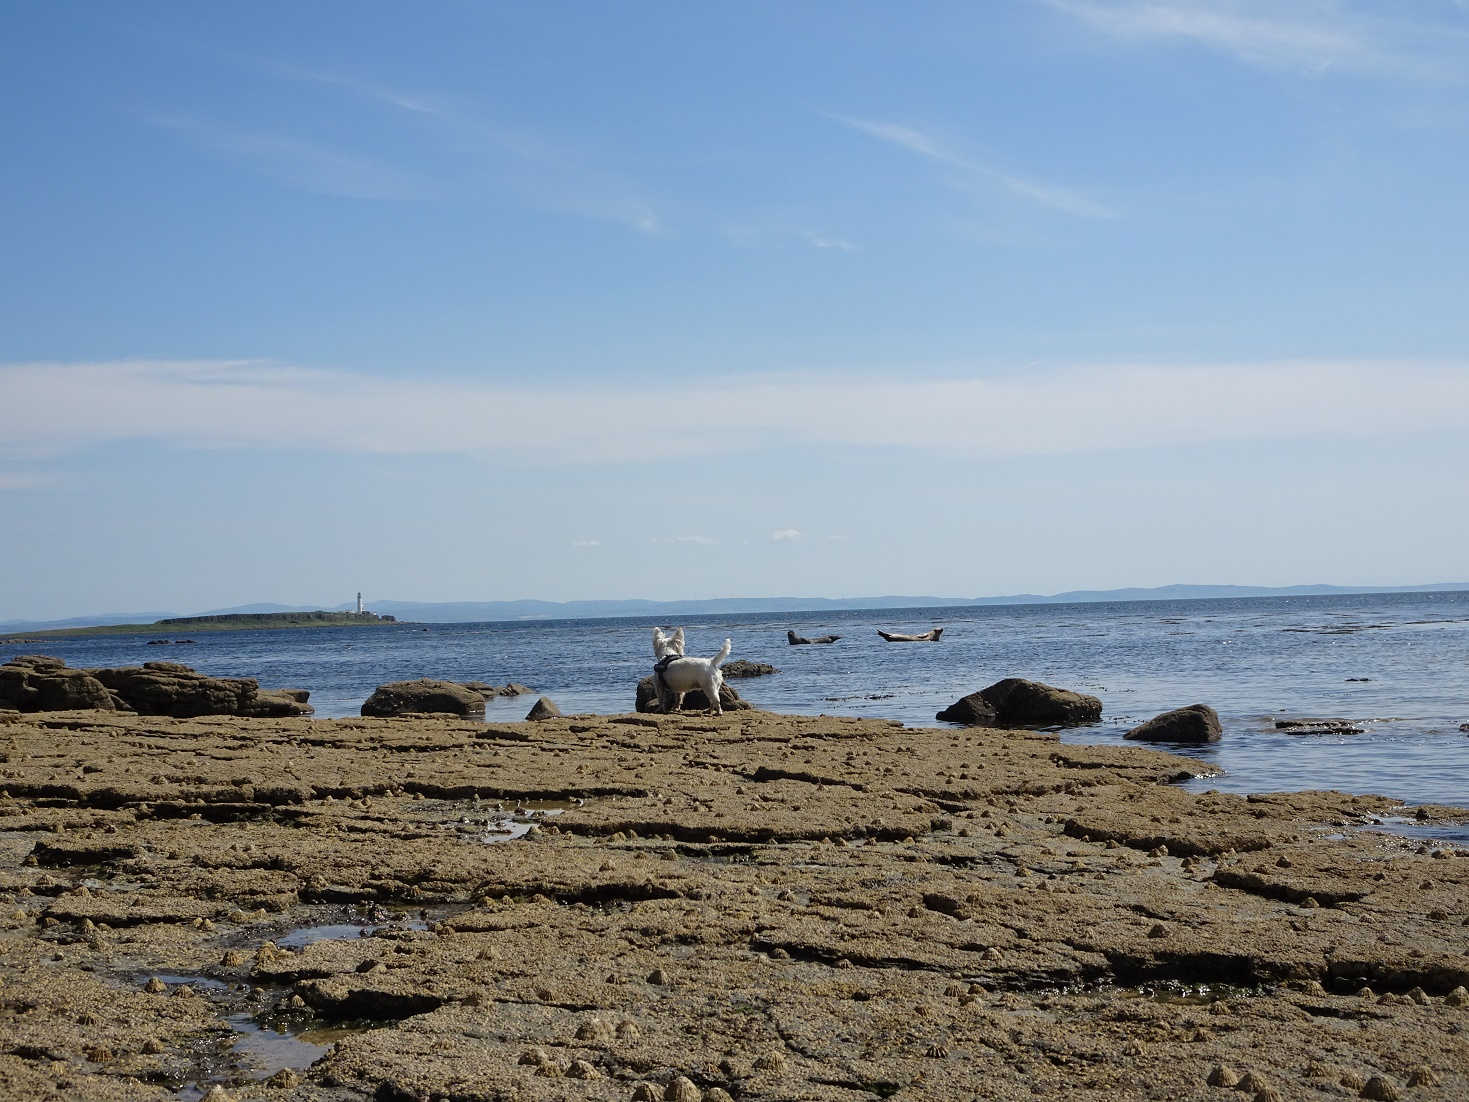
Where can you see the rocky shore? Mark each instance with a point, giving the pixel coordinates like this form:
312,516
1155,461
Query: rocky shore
752,906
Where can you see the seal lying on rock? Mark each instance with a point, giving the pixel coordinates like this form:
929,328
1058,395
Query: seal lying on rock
800,641
931,636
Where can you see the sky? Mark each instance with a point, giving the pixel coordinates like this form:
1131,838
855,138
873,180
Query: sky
664,300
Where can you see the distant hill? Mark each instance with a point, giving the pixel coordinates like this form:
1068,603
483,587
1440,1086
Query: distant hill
469,611
448,612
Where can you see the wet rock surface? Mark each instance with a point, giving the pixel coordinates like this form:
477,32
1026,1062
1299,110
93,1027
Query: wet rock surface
749,906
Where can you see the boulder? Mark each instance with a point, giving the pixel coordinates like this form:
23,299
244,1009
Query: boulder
695,701
544,708
423,695
171,689
1021,703
1197,723
275,703
39,683
973,711
742,668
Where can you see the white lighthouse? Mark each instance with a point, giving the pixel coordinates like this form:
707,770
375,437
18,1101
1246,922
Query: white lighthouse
359,604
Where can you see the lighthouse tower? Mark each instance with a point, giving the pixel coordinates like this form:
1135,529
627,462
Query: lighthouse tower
359,604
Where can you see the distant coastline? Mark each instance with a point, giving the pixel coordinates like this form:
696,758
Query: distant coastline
451,612
229,621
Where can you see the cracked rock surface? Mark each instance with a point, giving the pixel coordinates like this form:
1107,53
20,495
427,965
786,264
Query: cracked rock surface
752,906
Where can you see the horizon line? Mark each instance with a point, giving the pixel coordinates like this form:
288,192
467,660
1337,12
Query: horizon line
826,603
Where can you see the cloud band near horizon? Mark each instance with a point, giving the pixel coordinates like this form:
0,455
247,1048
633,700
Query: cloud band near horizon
48,410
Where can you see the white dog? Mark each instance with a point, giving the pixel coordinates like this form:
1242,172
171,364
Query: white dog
676,675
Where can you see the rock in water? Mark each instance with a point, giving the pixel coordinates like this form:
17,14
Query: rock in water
424,695
544,708
1195,724
741,667
695,701
973,710
1021,703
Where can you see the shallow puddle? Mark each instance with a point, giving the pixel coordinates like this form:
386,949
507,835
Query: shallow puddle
265,1045
263,1051
179,979
507,825
1453,834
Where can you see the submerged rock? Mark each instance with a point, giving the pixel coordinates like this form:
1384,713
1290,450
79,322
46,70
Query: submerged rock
1317,727
741,667
1196,723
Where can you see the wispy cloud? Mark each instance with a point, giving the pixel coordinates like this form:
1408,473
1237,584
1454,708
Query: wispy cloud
785,535
305,164
586,543
1306,35
933,148
47,409
417,103
547,173
828,241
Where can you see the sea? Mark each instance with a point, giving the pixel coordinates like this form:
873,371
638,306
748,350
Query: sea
1396,666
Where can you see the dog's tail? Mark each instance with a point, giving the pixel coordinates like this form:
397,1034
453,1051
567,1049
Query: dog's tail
718,659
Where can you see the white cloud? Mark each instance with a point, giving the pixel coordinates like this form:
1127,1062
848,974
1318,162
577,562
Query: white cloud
926,145
1308,35
702,541
785,535
586,543
56,408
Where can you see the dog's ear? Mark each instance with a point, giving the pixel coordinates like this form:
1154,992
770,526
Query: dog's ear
678,639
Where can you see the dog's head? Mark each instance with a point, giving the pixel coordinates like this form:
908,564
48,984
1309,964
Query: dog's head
664,645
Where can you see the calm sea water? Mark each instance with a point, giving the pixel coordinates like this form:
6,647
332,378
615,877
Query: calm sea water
1255,660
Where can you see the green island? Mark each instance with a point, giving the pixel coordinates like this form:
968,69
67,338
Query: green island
232,621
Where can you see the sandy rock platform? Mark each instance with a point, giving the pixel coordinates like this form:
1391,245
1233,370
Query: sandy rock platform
751,906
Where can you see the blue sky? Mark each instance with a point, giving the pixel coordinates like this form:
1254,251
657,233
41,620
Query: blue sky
566,301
